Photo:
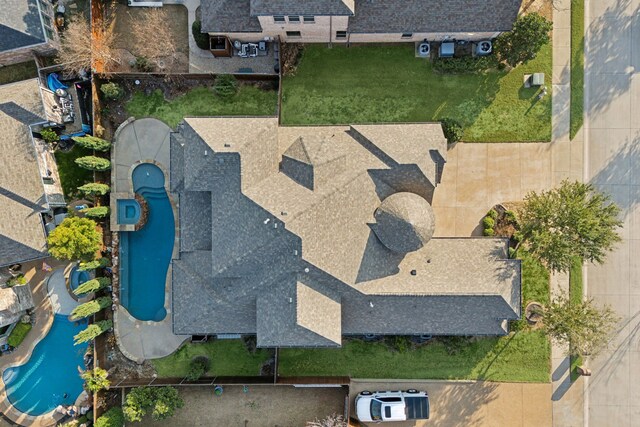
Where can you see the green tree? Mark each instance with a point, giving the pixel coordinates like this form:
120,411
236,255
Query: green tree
112,418
225,86
96,380
530,32
202,39
452,130
92,331
75,239
93,285
92,143
112,91
49,136
573,220
96,212
90,308
94,189
584,327
198,367
163,401
92,265
93,163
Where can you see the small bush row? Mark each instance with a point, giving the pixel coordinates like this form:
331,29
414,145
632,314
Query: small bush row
466,64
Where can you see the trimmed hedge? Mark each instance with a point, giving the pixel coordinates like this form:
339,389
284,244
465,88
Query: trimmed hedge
96,212
465,64
92,143
202,39
94,189
18,334
93,163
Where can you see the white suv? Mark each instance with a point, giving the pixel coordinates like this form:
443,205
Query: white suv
382,406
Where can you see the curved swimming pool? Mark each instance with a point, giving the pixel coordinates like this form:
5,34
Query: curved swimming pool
51,373
145,254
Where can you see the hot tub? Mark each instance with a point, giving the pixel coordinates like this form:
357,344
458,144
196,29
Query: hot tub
128,211
77,278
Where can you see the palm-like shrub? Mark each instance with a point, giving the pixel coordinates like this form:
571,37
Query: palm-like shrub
96,380
93,285
93,163
92,331
90,308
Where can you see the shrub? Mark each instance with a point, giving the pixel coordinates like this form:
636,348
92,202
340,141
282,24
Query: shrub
92,331
225,86
162,400
96,380
142,64
399,343
466,64
202,39
18,334
17,281
452,130
530,32
92,143
198,367
93,285
454,344
75,239
489,232
492,214
93,265
112,91
93,163
488,222
511,217
96,212
512,253
517,237
90,308
49,136
112,418
94,189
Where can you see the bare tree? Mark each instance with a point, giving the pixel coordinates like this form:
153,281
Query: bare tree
333,420
153,38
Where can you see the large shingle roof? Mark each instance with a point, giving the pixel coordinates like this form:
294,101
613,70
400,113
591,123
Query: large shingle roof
301,264
301,7
20,24
21,189
222,16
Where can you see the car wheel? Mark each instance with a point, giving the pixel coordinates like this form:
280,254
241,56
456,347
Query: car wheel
412,390
365,393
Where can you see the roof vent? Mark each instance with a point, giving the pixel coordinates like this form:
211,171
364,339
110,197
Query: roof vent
266,221
227,145
206,152
371,304
306,270
414,272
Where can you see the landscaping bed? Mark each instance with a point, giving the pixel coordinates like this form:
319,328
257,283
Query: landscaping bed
577,66
18,72
71,175
18,334
365,84
575,296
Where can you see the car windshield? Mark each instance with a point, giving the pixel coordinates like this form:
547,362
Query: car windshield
376,410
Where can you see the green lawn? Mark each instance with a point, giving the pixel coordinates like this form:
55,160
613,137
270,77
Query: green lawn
18,334
201,101
18,72
577,65
388,84
575,295
522,356
228,358
72,176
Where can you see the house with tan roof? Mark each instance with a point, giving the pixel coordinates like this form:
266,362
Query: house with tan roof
357,21
302,235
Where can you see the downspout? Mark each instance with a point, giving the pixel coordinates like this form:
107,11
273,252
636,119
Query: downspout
330,29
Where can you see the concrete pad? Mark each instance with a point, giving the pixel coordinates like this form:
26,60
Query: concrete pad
608,385
620,196
608,415
471,190
632,213
445,221
609,277
611,111
561,110
634,91
608,159
150,136
468,221
561,36
472,157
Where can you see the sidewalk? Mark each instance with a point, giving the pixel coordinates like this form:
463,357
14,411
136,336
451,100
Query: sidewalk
566,163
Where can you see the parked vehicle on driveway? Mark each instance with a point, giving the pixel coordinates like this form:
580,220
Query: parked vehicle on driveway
383,406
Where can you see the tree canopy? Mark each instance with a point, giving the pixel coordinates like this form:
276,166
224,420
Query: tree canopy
93,163
96,380
163,401
530,32
94,189
92,331
92,143
90,308
112,418
92,285
75,239
92,265
584,327
573,220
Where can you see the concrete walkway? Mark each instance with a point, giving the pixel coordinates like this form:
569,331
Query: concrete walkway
612,136
61,300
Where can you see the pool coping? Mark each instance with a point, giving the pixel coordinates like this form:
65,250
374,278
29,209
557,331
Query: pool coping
44,306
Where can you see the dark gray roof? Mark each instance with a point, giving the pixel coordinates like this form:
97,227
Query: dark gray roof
228,16
433,16
300,266
300,7
20,24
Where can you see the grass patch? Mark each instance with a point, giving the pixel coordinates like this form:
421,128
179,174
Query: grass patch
577,66
18,334
18,72
575,296
524,355
202,102
367,84
228,358
71,175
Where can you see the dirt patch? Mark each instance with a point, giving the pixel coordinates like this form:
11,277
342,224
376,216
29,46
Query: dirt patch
291,53
281,406
543,7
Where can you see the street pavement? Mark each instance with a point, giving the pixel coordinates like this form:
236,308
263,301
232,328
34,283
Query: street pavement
612,138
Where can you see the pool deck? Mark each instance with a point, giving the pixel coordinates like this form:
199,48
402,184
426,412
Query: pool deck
42,323
135,142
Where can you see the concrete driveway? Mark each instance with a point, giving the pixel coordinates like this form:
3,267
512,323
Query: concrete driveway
612,105
462,403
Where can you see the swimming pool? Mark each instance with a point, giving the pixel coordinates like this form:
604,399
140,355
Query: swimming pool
77,278
51,372
128,211
145,254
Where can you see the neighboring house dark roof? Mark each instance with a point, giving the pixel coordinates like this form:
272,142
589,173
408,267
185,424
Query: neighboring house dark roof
433,16
20,24
22,195
228,16
301,7
301,266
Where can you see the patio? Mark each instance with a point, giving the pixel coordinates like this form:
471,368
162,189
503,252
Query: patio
202,61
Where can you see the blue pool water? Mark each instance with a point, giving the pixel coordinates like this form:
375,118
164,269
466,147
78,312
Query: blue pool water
128,211
40,385
145,254
77,278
